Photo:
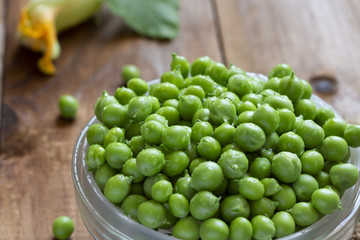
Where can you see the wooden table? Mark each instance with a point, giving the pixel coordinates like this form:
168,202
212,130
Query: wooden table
317,38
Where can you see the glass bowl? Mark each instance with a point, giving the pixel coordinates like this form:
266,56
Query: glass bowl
104,220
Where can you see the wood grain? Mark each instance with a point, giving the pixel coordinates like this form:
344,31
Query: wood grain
317,38
36,145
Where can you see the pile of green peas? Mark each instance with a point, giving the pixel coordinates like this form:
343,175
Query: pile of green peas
211,152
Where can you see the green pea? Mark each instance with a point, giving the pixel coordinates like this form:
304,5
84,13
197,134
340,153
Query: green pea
95,156
304,214
286,167
232,97
123,95
199,65
173,77
263,227
133,129
195,90
206,83
116,154
130,205
179,205
271,186
150,161
323,114
246,106
344,175
278,101
306,108
117,188
311,133
171,114
204,205
218,91
139,108
199,130
194,163
102,175
115,115
233,163
161,191
214,229
183,186
323,179
271,141
151,214
180,62
280,70
209,148
234,206
291,142
240,85
115,134
251,188
175,163
284,224
352,135
207,176
224,134
150,181
129,71
307,89
334,148
260,168
292,87
334,127
176,137
171,103
188,105
218,72
96,133
187,228
312,162
152,131
102,102
241,228
304,186
139,86
165,91
249,137
136,144
272,83
254,98
245,117
286,120
68,106
201,114
267,118
63,227
285,197
263,206
129,169
325,200
191,151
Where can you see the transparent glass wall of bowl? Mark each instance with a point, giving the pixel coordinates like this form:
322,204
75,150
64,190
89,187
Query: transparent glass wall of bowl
106,221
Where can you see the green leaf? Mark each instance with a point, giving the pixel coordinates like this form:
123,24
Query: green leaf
152,18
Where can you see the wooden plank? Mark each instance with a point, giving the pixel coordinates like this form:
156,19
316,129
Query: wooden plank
2,47
317,38
36,144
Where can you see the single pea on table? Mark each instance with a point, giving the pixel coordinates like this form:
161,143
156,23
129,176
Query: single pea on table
212,152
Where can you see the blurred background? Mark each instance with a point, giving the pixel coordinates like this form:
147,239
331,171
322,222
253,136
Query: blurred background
319,39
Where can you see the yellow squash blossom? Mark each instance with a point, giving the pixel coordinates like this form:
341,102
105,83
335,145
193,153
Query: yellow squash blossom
42,20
